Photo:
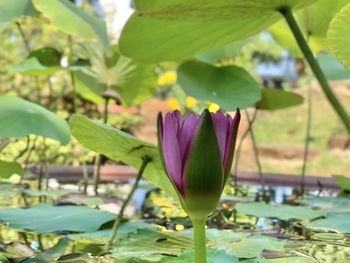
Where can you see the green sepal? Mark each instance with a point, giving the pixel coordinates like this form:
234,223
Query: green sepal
204,175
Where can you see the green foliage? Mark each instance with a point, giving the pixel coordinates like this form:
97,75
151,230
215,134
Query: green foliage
21,118
335,221
134,82
7,169
339,36
46,218
120,146
44,61
284,212
166,27
273,99
332,68
343,182
11,10
70,19
230,86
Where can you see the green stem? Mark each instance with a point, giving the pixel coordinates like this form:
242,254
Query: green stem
199,240
344,116
120,215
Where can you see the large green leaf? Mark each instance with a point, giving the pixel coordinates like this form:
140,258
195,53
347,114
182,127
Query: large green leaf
212,256
342,181
46,218
20,118
229,86
133,81
314,21
43,61
120,146
283,212
332,68
13,9
335,221
168,30
273,99
339,36
68,18
7,169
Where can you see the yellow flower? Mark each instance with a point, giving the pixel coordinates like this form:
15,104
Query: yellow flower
213,107
179,227
173,104
191,102
168,78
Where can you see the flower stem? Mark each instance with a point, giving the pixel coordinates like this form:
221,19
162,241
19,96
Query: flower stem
120,215
199,240
344,116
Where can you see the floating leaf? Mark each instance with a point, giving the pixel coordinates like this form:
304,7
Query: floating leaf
46,218
336,221
328,204
339,36
212,256
20,118
134,82
120,146
288,260
13,9
273,99
229,86
283,212
54,194
70,19
43,61
171,30
50,255
7,169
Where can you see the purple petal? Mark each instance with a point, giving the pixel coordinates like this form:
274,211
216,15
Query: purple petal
231,137
188,130
221,126
177,119
171,150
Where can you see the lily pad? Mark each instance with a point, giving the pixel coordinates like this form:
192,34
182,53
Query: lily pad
171,30
121,146
70,19
213,256
342,181
332,68
20,118
336,221
273,99
7,169
339,36
283,212
11,10
46,218
230,87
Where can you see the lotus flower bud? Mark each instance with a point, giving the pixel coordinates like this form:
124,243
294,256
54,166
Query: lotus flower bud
197,153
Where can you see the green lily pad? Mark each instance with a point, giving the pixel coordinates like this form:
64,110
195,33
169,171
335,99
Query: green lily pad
328,204
342,181
70,19
273,99
46,218
55,194
20,118
11,10
7,169
44,61
121,146
171,30
230,86
332,68
283,212
339,36
213,256
288,260
336,221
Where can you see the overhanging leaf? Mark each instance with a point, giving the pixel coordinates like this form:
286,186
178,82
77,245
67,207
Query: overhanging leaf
273,99
43,61
120,146
230,87
168,30
332,68
339,36
68,18
342,181
283,212
13,9
46,218
7,169
20,118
